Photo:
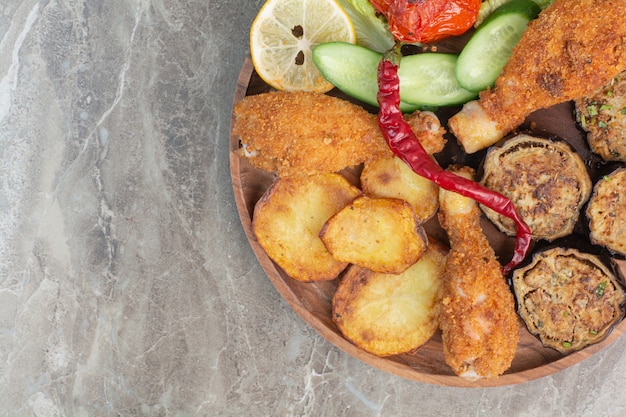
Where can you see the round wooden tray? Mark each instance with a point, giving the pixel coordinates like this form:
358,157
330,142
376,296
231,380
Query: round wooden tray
312,301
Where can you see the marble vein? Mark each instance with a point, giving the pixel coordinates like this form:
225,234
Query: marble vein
8,83
139,12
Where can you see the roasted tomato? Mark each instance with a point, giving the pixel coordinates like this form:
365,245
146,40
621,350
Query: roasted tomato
427,21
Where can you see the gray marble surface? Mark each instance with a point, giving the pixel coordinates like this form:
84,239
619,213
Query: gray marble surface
127,286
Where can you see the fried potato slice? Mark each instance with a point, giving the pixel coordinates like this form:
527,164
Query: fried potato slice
381,234
289,216
392,177
387,314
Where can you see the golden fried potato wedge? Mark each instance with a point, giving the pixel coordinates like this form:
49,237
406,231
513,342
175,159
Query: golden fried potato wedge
387,314
288,218
392,177
381,234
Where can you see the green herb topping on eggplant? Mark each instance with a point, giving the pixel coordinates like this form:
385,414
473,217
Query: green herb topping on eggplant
606,212
545,179
603,117
569,299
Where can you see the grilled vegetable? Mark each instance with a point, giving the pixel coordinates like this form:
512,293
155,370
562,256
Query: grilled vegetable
428,21
381,234
606,212
568,298
546,180
388,314
603,117
289,216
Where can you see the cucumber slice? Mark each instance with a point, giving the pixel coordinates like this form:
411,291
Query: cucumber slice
481,61
353,69
426,80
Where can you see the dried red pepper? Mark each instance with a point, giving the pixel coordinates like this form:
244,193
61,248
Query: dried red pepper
427,21
405,144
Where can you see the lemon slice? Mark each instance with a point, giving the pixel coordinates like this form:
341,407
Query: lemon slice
285,32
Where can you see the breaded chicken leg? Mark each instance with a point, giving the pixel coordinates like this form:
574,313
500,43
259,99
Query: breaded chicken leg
478,319
571,50
301,133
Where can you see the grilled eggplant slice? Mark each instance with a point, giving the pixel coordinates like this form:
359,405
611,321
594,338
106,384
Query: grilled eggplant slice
606,212
568,298
603,117
545,179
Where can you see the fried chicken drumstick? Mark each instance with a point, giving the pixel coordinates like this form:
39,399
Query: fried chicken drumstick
571,50
478,319
300,133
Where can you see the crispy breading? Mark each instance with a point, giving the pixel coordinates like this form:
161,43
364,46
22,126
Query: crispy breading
300,133
480,328
571,50
428,129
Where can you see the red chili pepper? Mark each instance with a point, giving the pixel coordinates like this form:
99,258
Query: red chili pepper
428,21
404,143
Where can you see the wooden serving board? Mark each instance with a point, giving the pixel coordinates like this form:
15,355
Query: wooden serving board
312,301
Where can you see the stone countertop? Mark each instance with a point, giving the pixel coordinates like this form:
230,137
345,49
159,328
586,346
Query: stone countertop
127,286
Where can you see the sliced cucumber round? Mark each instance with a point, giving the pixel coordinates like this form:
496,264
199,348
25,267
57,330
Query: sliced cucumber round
350,68
353,69
426,80
481,61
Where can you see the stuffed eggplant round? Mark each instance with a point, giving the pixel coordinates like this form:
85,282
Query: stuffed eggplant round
606,212
603,117
568,298
545,179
